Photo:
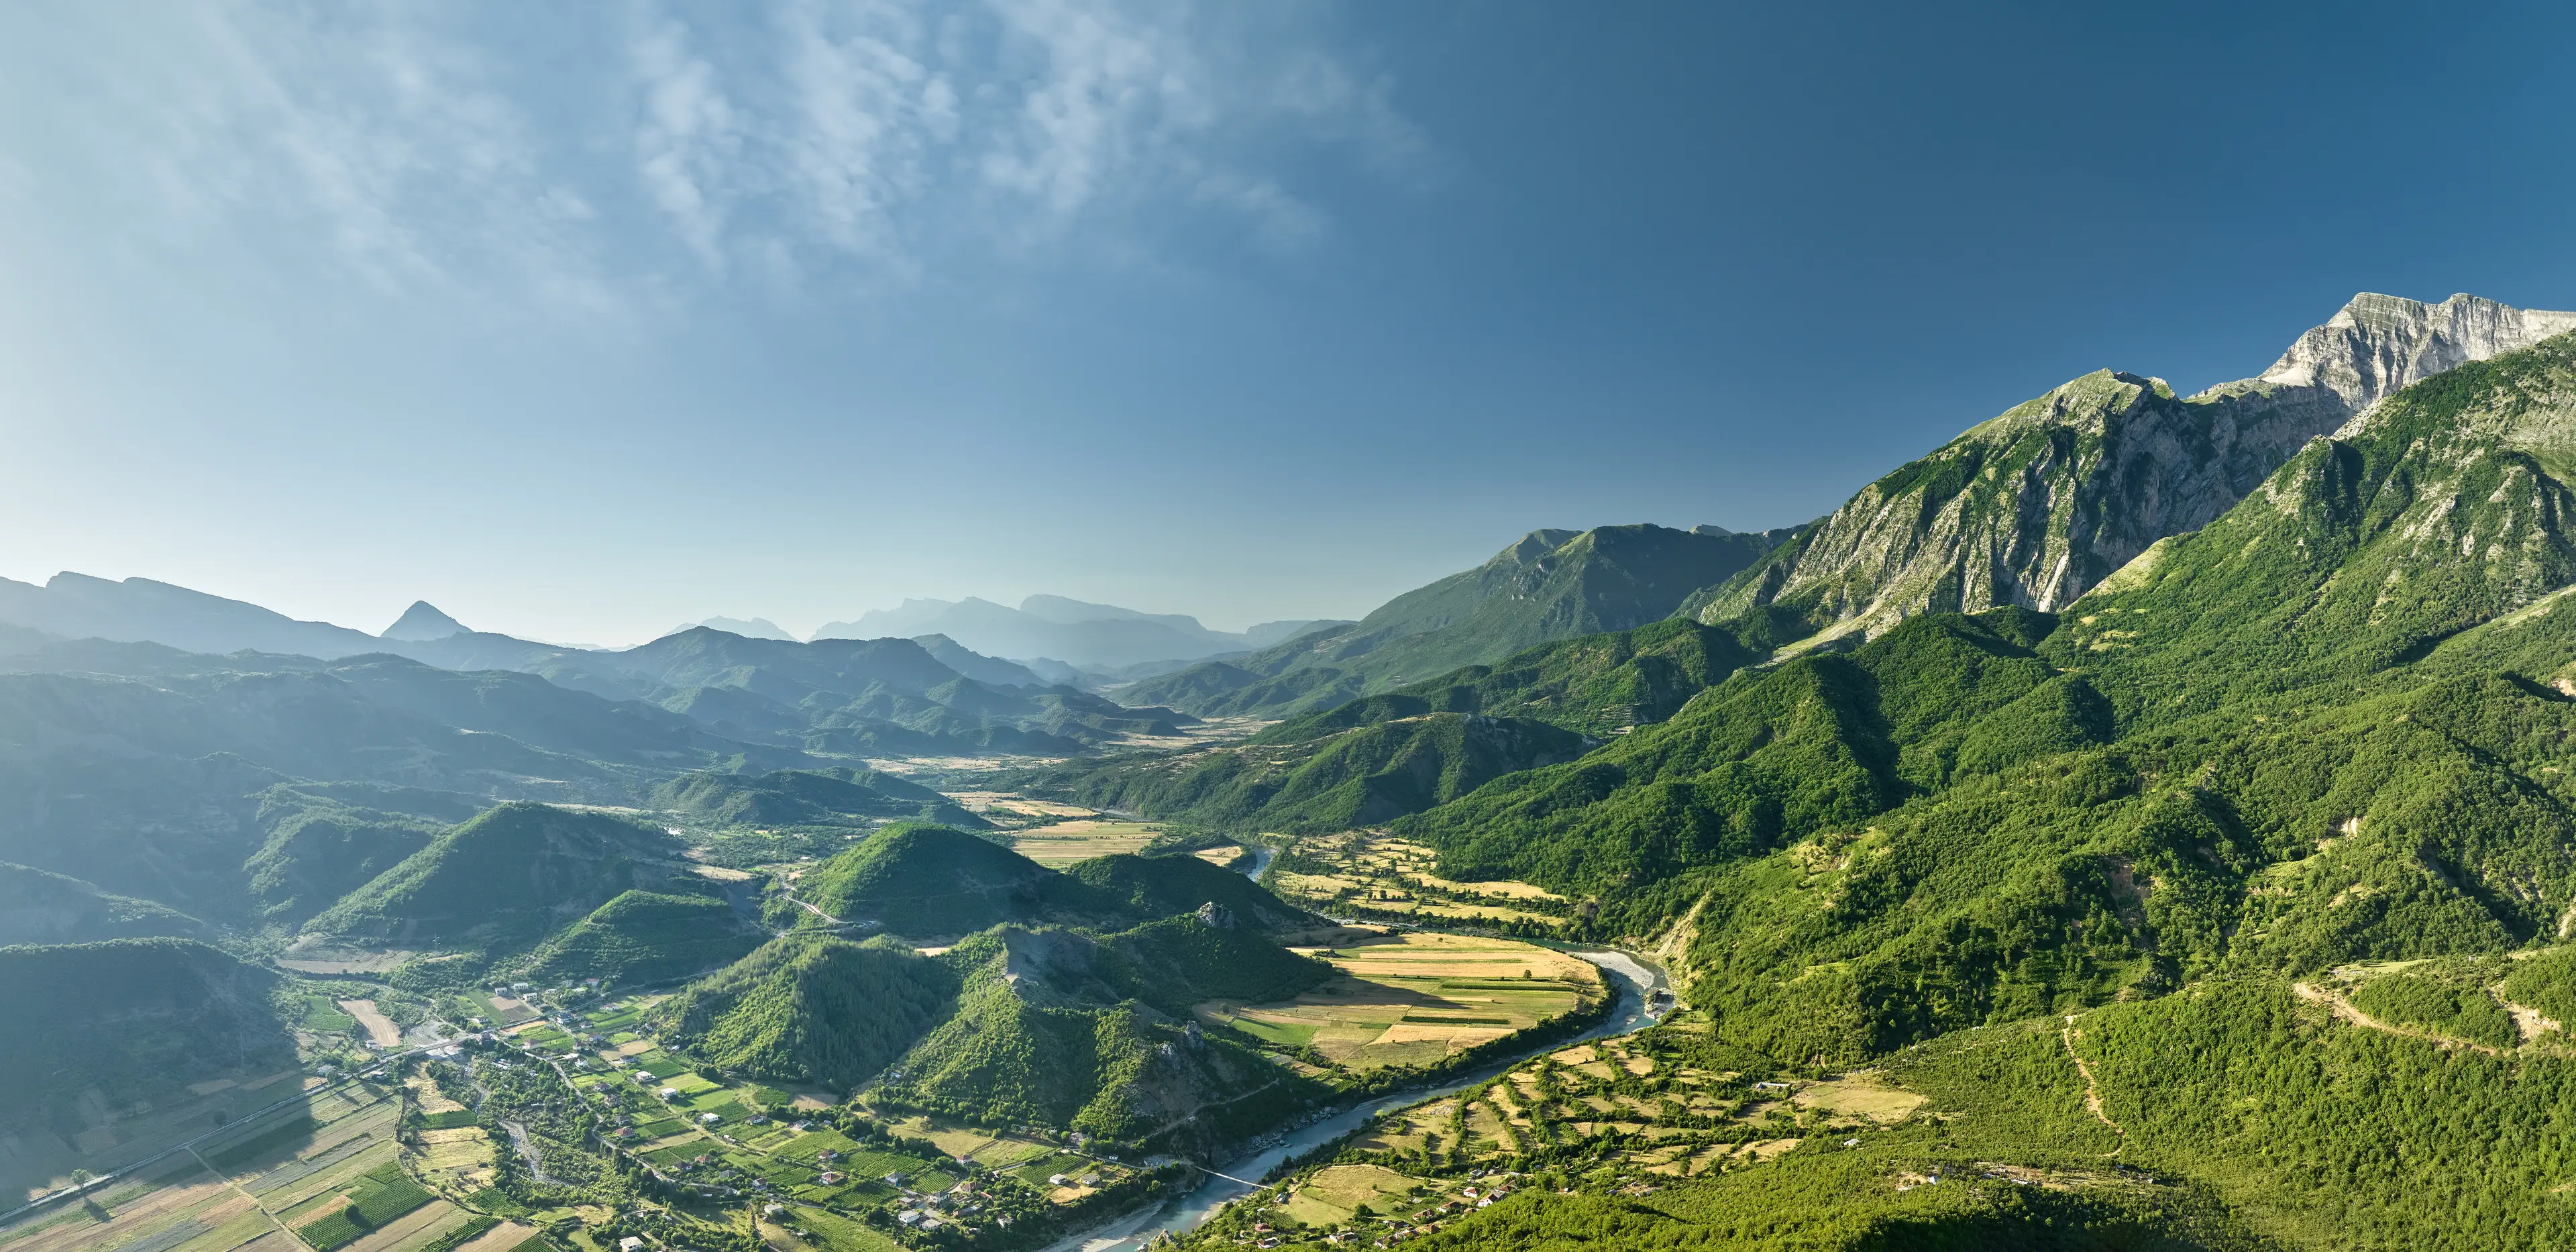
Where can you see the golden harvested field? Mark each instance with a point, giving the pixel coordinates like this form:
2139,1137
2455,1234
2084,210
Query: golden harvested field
1858,1095
1063,843
379,1027
1005,806
500,1238
1412,999
458,1159
1220,857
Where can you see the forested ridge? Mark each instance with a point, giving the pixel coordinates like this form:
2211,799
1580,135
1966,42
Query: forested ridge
2265,846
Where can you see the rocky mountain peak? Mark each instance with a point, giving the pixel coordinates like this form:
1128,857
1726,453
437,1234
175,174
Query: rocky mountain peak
2376,344
2036,506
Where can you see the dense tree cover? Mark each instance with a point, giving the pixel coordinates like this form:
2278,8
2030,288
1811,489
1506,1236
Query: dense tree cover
1591,684
2452,1007
643,937
1772,756
2546,984
515,872
813,1008
319,848
1849,1204
1060,1028
2337,1135
41,908
1333,781
918,879
1552,585
1162,886
127,1019
793,797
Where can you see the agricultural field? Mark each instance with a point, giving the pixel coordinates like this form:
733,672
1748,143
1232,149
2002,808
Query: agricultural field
37,1158
1010,810
1412,999
319,1176
1366,874
716,1143
1059,844
1629,1114
380,1029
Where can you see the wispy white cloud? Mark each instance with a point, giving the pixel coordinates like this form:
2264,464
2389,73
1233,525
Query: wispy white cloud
490,151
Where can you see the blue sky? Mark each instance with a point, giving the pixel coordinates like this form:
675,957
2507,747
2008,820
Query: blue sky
583,321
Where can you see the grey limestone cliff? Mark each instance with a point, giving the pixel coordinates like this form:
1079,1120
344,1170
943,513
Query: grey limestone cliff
2037,506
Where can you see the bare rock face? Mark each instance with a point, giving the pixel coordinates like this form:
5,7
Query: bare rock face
2039,505
2379,344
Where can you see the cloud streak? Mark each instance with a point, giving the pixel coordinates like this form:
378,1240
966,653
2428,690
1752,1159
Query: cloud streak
820,145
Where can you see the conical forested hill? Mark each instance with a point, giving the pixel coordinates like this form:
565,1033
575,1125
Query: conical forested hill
514,872
923,881
814,1009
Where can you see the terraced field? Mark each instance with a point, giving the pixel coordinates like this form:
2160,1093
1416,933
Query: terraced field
1364,874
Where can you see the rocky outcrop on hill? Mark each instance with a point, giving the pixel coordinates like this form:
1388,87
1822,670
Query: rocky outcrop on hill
2037,506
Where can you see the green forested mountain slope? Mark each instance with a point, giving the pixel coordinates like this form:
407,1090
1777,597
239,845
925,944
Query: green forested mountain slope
38,907
641,937
1165,886
1775,755
517,871
1061,1028
179,1012
1355,777
813,1008
319,848
2321,729
1380,757
2041,503
835,796
920,881
1551,585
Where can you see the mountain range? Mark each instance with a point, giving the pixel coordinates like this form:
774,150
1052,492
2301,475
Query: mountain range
1552,584
2041,503
2171,794
1076,633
